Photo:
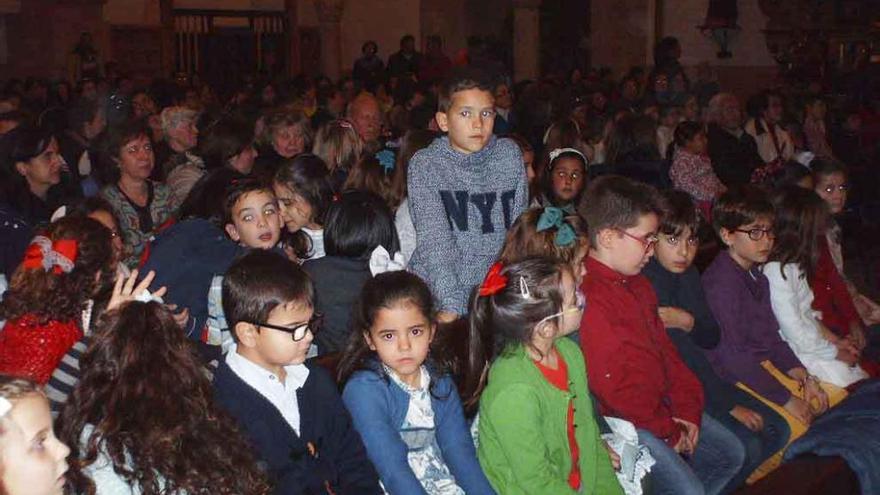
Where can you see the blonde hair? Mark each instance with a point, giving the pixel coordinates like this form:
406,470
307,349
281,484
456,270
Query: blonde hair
369,175
172,117
338,144
523,239
14,388
287,116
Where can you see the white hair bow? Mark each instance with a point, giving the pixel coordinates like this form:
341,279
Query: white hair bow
146,297
381,261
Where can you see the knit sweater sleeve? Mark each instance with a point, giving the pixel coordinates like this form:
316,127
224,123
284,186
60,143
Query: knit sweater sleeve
438,251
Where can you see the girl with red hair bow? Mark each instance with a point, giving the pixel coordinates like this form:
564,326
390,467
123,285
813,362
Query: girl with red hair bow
50,298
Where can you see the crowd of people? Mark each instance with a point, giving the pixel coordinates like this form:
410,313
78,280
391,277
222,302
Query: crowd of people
426,278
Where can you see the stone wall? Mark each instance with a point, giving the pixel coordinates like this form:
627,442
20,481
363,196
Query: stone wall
749,69
41,35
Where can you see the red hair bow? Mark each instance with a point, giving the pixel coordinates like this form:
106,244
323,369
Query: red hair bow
494,281
59,256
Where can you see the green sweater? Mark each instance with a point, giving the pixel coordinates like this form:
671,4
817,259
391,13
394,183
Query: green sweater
523,429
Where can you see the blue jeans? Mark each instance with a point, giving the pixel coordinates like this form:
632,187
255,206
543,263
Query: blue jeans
718,459
759,445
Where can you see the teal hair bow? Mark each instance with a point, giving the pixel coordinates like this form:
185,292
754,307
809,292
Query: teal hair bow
555,217
386,159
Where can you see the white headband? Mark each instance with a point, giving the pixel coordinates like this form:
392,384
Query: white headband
558,151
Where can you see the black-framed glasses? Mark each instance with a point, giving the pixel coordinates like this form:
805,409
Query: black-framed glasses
298,330
758,234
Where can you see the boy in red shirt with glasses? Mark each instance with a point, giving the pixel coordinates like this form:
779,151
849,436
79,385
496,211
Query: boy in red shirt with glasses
634,369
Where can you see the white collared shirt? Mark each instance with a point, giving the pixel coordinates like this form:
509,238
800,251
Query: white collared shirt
281,395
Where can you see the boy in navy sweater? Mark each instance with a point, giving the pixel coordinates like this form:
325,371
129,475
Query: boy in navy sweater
290,411
465,190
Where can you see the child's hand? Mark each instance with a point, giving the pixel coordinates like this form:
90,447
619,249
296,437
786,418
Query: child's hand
615,459
684,445
799,409
125,290
692,432
847,353
857,336
747,417
676,318
180,317
815,397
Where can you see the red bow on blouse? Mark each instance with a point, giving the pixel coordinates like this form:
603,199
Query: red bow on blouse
59,256
494,282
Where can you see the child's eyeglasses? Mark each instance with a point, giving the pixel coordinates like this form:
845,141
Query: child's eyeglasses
298,330
758,234
648,241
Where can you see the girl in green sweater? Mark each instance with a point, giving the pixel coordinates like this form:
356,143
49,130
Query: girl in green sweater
537,431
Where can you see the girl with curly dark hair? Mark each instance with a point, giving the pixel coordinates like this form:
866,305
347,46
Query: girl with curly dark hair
49,303
142,418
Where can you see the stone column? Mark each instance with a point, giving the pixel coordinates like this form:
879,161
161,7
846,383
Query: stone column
329,17
526,39
293,58
622,34
166,37
6,7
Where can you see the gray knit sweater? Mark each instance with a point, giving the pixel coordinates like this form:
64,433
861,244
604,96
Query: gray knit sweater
462,206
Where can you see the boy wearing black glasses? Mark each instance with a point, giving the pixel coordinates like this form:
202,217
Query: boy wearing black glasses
290,410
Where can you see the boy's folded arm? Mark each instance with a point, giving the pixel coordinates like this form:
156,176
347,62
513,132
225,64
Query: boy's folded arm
619,383
387,451
513,418
685,390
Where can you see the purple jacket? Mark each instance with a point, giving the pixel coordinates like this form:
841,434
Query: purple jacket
740,301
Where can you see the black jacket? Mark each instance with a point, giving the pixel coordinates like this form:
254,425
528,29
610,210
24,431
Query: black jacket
733,159
339,461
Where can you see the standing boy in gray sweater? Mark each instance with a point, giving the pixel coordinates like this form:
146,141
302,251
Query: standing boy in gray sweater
465,191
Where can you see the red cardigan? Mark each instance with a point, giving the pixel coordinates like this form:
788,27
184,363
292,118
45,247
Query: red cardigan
634,369
830,295
31,350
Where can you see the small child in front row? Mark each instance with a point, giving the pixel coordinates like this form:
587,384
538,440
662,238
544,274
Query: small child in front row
407,411
290,411
359,241
692,327
635,370
751,352
801,221
538,434
32,459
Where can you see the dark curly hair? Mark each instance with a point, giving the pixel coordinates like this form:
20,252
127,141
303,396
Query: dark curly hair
62,296
149,401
